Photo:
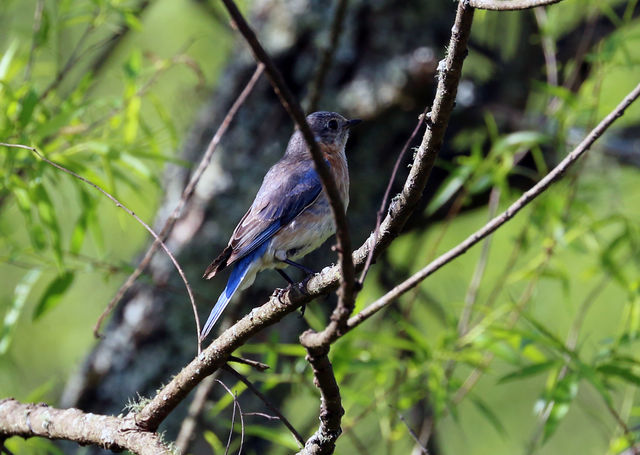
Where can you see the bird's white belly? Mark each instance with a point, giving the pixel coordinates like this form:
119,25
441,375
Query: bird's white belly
299,238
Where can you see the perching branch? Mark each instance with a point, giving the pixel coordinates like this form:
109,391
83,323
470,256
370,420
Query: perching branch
509,5
113,433
498,221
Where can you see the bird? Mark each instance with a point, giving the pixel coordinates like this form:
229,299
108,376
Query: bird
290,215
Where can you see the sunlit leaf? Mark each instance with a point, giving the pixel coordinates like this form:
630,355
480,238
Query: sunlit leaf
7,58
281,437
132,119
16,306
448,189
214,441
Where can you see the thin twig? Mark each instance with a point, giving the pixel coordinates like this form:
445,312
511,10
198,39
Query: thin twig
478,273
252,363
509,5
132,214
262,414
267,403
413,434
327,55
116,38
72,60
548,46
387,192
498,221
187,193
188,426
233,415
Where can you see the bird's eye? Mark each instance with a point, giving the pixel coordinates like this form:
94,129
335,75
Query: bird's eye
333,124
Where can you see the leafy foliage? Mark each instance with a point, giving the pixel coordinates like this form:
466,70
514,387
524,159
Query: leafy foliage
111,140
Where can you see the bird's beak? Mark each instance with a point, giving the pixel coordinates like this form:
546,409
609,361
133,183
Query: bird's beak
353,122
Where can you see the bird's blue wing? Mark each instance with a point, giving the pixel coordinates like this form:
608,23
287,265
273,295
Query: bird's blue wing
279,200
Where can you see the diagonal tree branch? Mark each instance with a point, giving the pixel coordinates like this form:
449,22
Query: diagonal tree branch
509,5
113,433
498,221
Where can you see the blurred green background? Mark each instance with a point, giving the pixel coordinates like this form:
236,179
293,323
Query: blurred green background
554,325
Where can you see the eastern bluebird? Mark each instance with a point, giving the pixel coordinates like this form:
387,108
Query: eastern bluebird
290,215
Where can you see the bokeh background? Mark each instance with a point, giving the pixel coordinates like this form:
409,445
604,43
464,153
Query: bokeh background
129,93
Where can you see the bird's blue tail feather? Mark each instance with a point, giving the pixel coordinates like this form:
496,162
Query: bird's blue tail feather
237,276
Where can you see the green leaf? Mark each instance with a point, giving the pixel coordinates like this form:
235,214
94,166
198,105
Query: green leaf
42,33
561,398
28,104
529,370
56,122
280,437
132,116
7,58
23,199
488,413
12,315
621,372
53,294
450,187
133,65
132,21
48,218
79,233
214,441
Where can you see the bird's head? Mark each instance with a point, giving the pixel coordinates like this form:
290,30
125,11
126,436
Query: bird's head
330,129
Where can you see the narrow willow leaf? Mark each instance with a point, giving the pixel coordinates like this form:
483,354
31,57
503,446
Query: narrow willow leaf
622,372
12,315
562,396
488,413
28,104
132,116
280,437
52,295
528,371
48,217
450,187
7,58
214,442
